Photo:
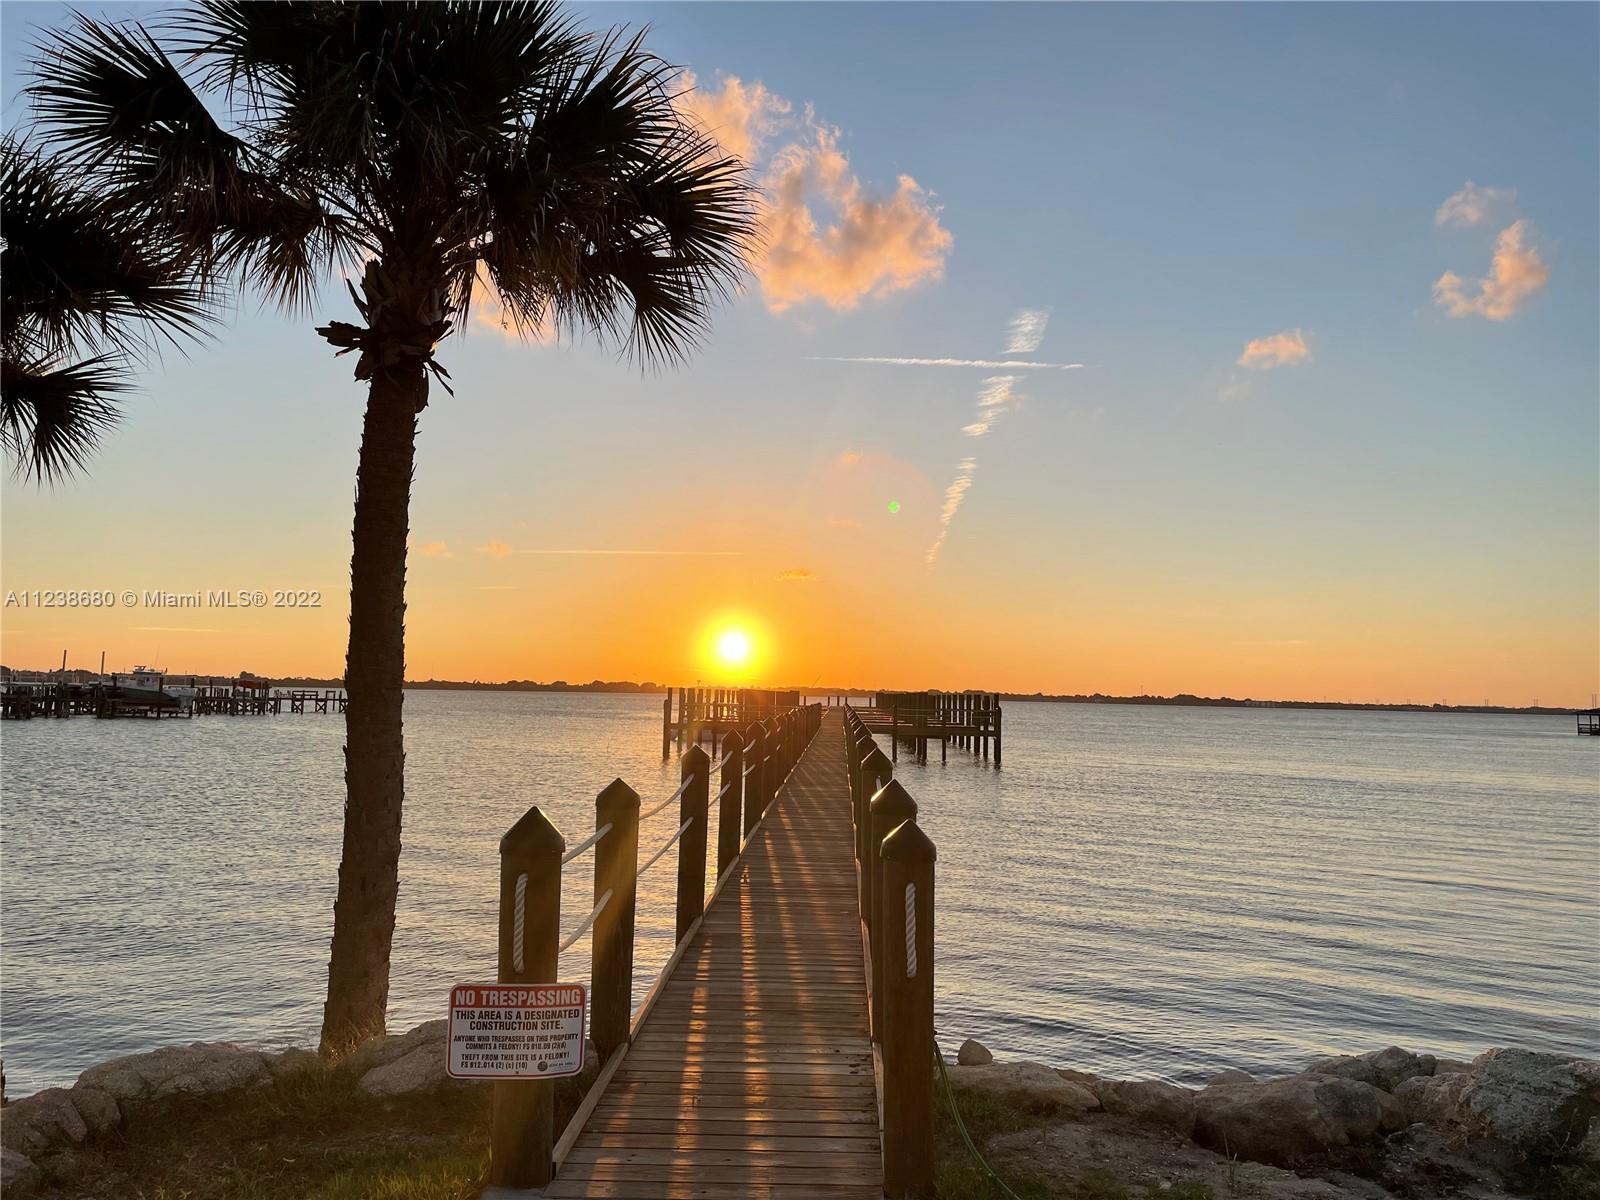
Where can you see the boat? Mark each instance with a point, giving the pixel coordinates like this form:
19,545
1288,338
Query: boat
145,685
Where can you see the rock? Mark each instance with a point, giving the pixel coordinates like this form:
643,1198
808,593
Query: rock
203,1067
1385,1069
1532,1100
1289,1119
382,1051
973,1054
98,1109
293,1061
1028,1085
41,1122
419,1071
1164,1105
1451,1066
18,1175
1419,1161
1231,1075
1433,1100
1589,1148
1084,1078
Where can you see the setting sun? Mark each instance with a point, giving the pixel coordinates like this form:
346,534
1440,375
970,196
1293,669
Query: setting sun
733,647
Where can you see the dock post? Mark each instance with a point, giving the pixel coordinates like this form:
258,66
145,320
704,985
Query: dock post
616,863
694,809
998,740
890,808
756,753
666,727
894,734
730,799
908,1042
523,1136
876,771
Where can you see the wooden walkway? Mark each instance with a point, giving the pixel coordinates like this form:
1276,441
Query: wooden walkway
751,1077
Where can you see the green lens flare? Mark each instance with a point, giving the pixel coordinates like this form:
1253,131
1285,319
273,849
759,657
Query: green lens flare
894,506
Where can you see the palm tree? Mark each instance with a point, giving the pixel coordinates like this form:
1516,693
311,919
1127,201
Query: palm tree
433,149
82,293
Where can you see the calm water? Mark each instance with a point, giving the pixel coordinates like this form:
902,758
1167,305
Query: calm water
1145,892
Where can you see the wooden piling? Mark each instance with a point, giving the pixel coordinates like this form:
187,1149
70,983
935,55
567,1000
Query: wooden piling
616,865
693,807
730,800
523,1134
907,1028
891,807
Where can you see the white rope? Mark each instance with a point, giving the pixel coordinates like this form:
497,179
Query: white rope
911,931
726,759
682,788
750,768
583,928
726,788
519,922
586,843
654,858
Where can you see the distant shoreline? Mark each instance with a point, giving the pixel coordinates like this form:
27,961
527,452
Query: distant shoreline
649,687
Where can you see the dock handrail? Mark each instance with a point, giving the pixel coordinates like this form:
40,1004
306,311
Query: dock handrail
525,1152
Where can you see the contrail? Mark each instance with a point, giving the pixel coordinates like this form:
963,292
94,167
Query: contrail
997,364
953,496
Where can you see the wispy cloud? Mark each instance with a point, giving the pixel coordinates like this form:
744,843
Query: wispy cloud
849,458
953,496
1278,350
1027,330
988,364
997,398
497,587
796,575
435,550
494,549
1473,205
637,553
1515,273
171,629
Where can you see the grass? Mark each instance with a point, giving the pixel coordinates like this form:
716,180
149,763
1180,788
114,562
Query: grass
958,1177
312,1135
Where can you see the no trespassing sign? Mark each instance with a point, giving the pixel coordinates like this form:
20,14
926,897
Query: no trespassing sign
516,1031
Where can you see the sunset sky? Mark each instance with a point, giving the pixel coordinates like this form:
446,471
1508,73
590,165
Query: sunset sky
1121,348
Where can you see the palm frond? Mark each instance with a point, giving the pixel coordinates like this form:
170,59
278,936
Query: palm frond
76,273
52,419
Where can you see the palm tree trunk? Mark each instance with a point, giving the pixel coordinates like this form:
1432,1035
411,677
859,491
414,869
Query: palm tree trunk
363,914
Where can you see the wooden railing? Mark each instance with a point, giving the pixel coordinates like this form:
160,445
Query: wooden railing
525,1152
894,863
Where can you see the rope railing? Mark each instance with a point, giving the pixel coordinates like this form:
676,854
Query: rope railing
592,840
677,795
656,857
583,926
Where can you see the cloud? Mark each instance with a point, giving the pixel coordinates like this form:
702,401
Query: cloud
796,575
953,495
636,553
435,550
861,246
1279,350
989,364
995,400
739,115
849,458
1026,330
489,313
171,629
494,549
1473,205
1515,273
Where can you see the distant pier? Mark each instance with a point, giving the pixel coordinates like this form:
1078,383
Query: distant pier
970,721
198,696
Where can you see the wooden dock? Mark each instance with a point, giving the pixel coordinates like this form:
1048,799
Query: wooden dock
752,1075
764,1063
